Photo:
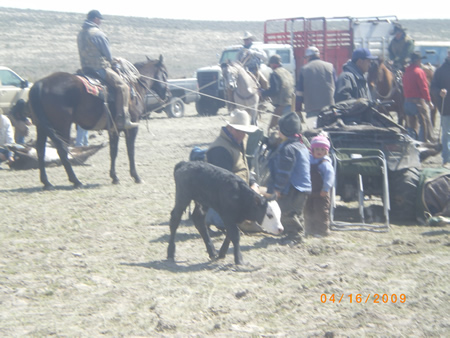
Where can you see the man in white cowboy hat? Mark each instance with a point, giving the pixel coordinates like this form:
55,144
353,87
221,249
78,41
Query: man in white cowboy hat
229,149
251,57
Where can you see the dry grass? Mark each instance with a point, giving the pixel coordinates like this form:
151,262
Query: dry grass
92,261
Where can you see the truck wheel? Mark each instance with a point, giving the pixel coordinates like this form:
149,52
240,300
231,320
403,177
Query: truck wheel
206,106
403,193
175,108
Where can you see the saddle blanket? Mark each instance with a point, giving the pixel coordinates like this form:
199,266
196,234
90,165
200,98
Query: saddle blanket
92,86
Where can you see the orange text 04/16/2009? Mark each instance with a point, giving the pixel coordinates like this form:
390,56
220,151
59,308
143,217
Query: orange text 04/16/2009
376,298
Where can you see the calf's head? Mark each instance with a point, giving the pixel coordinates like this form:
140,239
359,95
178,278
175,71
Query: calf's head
271,221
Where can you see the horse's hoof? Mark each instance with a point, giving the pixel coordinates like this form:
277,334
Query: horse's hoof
138,180
78,185
48,186
115,181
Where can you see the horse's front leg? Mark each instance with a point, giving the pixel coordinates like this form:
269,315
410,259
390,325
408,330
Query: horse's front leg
113,150
40,148
131,135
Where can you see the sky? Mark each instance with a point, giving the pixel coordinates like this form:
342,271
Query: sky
236,10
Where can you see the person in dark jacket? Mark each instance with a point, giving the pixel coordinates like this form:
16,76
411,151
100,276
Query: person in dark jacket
400,48
290,177
281,89
352,83
316,84
440,85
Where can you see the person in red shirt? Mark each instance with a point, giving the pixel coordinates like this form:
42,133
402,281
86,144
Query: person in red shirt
417,100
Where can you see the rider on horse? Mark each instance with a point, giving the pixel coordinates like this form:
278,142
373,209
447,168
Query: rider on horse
400,48
95,55
251,58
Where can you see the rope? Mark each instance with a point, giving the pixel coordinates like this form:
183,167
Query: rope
206,95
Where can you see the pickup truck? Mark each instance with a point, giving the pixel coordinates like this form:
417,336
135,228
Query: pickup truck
183,91
336,38
12,89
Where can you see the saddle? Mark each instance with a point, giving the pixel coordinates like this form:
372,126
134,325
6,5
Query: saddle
94,85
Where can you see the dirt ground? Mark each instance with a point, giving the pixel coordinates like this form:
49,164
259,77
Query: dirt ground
92,261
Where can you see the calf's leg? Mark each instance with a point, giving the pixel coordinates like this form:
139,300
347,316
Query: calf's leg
198,216
175,218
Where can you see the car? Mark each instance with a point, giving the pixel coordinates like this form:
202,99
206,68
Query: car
12,88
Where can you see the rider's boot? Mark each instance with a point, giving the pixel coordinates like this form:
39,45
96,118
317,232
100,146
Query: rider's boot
124,120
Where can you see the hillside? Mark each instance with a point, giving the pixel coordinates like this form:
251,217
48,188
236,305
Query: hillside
36,43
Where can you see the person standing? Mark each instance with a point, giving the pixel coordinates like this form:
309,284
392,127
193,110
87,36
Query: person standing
440,85
400,48
417,100
290,176
316,84
82,137
95,56
281,89
317,207
352,83
6,137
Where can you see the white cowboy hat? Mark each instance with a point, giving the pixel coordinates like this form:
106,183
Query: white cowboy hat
248,35
240,120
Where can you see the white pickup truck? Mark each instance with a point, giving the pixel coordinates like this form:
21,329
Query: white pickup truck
183,91
12,89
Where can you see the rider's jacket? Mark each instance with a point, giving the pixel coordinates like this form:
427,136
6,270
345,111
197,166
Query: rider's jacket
93,47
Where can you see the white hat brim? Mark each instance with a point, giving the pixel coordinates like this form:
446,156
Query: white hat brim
246,129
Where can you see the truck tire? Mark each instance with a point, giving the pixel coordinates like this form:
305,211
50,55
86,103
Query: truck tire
206,106
403,194
175,108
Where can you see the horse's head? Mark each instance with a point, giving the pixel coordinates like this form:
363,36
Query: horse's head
229,74
154,75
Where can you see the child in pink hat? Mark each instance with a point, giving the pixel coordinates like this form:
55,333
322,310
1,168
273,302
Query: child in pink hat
317,207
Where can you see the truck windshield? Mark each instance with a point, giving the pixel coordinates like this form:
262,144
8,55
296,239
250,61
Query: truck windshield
229,55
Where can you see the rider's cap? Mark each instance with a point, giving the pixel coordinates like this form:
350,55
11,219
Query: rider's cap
310,51
290,124
398,28
320,141
240,120
275,59
94,14
363,54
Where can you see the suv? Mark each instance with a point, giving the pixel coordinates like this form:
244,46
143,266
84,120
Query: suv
210,79
12,88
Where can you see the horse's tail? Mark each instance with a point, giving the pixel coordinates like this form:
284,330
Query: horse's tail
35,100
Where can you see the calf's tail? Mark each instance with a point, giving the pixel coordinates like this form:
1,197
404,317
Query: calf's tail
178,166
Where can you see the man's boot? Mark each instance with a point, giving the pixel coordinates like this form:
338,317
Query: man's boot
125,121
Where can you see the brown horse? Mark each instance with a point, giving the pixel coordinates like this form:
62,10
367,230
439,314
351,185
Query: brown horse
61,99
385,85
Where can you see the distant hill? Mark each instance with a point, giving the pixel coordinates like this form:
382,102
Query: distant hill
37,43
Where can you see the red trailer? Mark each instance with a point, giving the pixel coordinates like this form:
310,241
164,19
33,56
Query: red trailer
336,37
